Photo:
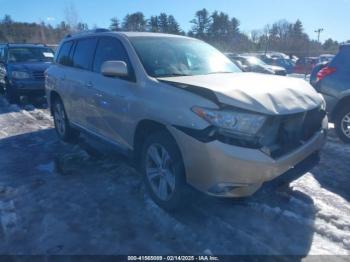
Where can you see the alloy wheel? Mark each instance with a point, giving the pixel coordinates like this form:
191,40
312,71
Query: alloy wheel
160,171
60,119
345,125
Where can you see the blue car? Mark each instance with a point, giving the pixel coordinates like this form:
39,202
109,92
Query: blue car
22,68
287,64
332,80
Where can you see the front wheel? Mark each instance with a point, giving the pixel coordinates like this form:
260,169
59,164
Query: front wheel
12,96
164,171
342,124
62,126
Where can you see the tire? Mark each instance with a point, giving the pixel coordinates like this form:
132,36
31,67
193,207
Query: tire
342,124
2,89
11,95
63,129
164,176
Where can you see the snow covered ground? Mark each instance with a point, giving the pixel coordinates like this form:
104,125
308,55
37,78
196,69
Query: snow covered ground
57,199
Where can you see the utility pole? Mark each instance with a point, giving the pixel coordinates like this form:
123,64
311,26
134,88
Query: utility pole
318,32
267,38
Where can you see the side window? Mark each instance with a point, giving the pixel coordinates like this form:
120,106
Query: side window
63,56
109,49
84,53
342,59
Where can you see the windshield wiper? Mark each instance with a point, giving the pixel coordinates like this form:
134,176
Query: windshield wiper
222,72
173,74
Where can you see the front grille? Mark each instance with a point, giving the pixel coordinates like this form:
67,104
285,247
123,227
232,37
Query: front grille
294,130
39,75
280,72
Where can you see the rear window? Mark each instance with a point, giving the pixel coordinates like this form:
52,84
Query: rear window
342,59
63,57
84,53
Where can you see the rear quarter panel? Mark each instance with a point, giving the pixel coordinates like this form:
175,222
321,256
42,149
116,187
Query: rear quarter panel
336,86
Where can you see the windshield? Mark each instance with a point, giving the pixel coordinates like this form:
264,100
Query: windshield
30,54
282,62
255,61
326,58
162,57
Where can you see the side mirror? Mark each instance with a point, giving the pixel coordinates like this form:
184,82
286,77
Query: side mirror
114,69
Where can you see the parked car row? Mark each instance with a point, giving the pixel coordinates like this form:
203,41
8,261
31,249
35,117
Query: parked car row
253,64
304,65
275,59
280,63
180,109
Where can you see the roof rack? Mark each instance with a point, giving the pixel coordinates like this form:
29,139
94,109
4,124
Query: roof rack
97,30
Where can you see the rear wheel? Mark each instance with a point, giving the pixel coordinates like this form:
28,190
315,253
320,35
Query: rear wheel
62,126
2,89
342,124
164,171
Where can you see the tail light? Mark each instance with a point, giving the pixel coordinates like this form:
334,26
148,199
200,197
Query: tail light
326,71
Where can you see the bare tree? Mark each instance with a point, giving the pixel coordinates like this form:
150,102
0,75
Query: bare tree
42,32
71,17
255,35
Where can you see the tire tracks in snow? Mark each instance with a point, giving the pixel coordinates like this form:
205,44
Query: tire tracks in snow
8,216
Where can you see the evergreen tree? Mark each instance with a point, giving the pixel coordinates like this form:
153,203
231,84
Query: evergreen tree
298,29
153,24
201,24
134,22
173,25
163,23
115,24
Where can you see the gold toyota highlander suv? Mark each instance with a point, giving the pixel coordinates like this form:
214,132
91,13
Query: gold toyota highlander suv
184,111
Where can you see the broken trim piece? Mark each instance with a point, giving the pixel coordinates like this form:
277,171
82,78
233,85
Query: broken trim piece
204,135
200,91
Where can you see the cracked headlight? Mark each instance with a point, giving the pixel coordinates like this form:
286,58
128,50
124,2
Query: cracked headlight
20,75
234,122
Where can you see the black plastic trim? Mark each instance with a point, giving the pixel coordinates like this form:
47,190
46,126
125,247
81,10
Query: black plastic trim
213,133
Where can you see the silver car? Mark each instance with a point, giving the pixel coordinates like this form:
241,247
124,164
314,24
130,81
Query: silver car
183,111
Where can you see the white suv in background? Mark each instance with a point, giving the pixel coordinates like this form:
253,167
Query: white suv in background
184,111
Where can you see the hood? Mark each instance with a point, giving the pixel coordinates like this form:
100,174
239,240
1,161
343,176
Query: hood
29,66
266,94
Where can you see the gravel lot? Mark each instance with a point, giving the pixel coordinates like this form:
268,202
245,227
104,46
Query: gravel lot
57,199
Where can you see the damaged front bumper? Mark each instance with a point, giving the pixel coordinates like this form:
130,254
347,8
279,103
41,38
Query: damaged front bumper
225,170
